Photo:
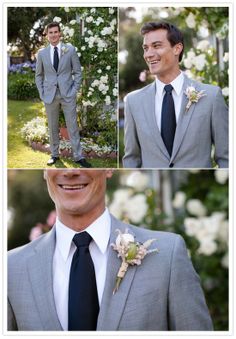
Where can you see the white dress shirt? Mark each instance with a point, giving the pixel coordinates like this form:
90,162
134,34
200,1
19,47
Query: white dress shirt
52,51
177,94
100,232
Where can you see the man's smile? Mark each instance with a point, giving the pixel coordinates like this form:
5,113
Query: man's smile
73,187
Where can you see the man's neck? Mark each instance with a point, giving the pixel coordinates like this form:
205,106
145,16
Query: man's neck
168,78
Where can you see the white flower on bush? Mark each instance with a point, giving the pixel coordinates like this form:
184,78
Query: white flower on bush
120,199
221,176
200,61
203,45
89,19
108,68
106,31
83,48
66,9
189,60
73,22
137,180
226,57
225,91
136,208
195,207
99,21
115,92
93,10
35,130
179,199
190,20
207,246
108,100
111,10
104,79
57,19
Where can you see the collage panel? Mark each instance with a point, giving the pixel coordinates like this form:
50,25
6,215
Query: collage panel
174,89
62,87
159,245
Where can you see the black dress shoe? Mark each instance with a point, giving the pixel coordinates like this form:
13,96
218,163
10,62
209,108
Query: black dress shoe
83,163
52,161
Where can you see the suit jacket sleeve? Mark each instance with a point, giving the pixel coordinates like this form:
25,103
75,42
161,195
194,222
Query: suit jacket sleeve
11,321
76,69
220,130
187,307
39,74
132,157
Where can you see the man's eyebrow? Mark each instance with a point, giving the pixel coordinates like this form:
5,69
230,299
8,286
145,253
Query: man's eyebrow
154,43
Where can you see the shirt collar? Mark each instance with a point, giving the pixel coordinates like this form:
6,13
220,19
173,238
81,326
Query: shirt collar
177,84
99,230
58,46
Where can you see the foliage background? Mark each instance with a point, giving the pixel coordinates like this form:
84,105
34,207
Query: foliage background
191,203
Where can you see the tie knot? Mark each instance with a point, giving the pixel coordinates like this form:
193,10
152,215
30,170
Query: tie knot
168,88
55,48
82,239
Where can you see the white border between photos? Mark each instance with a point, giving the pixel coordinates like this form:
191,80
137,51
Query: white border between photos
3,167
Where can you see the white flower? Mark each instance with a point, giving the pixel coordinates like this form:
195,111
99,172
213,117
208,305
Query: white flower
99,21
89,19
83,48
124,238
71,32
108,100
203,45
200,61
99,71
192,226
207,247
225,91
188,62
226,57
106,31
221,176
179,199
111,10
137,180
193,96
56,19
73,22
136,208
190,20
66,9
195,207
115,92
104,79
108,68
93,10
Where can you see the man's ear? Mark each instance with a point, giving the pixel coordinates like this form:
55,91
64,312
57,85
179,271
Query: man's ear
178,49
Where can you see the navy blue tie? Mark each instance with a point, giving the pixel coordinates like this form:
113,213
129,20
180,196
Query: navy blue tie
168,120
55,59
83,306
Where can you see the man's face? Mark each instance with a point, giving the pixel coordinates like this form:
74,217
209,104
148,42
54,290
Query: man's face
161,58
77,192
53,35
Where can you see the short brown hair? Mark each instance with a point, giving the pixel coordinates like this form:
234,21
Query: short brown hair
53,24
174,35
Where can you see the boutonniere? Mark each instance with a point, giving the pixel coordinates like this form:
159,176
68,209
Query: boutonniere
130,252
64,50
193,96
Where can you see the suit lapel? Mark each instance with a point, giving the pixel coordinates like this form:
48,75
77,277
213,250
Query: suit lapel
184,118
62,57
112,306
48,57
41,277
149,109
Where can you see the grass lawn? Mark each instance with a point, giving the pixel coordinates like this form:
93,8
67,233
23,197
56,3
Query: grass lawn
21,155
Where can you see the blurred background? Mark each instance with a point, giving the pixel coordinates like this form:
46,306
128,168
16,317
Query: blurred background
205,58
191,203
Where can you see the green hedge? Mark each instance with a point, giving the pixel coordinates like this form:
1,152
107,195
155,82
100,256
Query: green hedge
22,87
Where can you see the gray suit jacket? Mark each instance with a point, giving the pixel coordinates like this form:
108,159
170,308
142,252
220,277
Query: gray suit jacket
203,125
68,76
161,294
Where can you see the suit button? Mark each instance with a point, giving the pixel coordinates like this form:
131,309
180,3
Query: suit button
171,165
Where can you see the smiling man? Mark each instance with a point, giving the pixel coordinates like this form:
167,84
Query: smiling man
64,280
58,78
174,121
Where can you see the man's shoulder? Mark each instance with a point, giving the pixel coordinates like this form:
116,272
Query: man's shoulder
139,93
24,252
209,88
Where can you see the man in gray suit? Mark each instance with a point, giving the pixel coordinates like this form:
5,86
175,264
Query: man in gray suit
58,78
161,294
174,121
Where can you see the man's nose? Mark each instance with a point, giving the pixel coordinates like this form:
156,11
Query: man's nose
149,53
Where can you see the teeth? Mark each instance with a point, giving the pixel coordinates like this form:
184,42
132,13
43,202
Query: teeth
74,187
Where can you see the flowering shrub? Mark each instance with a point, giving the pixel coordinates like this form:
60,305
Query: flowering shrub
35,130
23,68
93,32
